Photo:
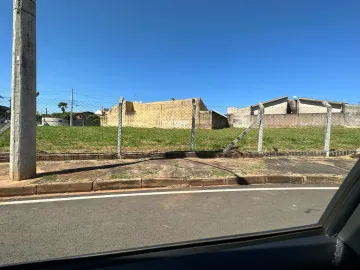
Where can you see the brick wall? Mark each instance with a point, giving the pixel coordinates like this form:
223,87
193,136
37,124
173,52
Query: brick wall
352,115
342,116
205,120
239,117
291,120
310,107
166,114
218,121
274,107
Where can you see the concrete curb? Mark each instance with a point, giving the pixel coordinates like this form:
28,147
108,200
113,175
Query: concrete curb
4,157
116,184
64,187
119,184
18,191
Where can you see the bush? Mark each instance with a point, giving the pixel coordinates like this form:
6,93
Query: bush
92,120
65,115
38,117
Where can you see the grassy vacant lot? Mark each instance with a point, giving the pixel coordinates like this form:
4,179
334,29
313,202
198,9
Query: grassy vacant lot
104,139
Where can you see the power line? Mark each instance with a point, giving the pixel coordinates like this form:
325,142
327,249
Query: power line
102,98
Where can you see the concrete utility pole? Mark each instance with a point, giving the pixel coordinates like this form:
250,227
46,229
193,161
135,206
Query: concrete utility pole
121,101
192,141
23,98
261,127
71,107
327,127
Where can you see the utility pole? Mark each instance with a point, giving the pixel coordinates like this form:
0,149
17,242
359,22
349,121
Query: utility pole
23,98
327,127
71,106
261,127
120,108
192,141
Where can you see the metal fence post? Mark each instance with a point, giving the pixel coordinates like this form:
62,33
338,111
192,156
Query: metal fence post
119,126
71,107
261,127
238,138
327,127
192,143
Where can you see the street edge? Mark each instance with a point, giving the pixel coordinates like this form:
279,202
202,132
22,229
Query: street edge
136,183
4,156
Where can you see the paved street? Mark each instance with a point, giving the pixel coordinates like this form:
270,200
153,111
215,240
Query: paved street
47,227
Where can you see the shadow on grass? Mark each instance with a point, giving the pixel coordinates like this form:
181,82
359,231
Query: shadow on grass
85,169
239,180
198,154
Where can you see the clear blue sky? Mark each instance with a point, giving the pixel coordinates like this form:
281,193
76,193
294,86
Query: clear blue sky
226,52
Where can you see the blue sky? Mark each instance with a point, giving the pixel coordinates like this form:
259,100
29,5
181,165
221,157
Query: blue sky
226,52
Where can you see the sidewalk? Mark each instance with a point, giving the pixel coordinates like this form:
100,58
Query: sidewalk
172,172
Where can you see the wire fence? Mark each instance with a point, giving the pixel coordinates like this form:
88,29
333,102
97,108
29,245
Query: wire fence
188,125
4,114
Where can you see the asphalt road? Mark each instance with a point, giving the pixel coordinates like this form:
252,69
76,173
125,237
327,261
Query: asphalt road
50,227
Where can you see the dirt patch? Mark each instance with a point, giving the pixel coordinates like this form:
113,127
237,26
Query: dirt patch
309,165
189,168
243,167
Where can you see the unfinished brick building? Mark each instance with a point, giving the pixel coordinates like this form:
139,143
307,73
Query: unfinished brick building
165,114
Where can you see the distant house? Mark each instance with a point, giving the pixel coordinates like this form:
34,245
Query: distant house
101,112
301,112
82,115
86,118
165,114
81,119
310,105
274,106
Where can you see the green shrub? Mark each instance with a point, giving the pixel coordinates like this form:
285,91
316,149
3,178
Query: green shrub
65,115
92,120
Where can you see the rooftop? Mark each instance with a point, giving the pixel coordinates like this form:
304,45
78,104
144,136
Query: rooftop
266,103
320,100
163,101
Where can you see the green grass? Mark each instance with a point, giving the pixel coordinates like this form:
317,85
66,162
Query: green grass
150,171
104,139
49,178
119,176
219,173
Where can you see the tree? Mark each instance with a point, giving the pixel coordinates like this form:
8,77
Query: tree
92,120
65,115
62,106
172,99
38,117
